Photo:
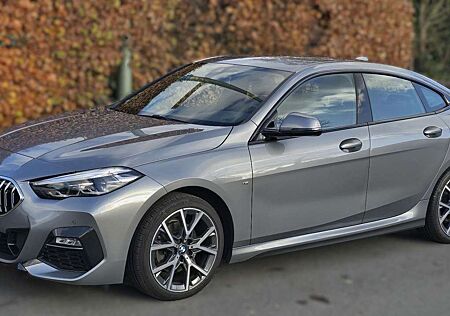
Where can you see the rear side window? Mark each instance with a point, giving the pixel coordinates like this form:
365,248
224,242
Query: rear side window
392,98
433,100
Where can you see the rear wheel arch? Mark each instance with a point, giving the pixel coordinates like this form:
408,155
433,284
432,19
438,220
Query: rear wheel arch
443,172
433,223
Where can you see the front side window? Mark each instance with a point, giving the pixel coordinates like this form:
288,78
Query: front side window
331,99
211,94
392,98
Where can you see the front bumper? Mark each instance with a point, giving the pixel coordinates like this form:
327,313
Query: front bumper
113,218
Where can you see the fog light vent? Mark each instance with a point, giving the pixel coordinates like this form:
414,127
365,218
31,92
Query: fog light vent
67,241
72,248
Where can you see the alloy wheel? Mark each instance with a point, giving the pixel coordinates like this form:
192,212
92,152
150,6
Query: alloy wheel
444,209
183,250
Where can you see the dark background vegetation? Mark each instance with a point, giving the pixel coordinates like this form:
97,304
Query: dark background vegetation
432,40
57,56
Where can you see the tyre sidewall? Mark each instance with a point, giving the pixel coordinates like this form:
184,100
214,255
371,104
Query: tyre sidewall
144,236
432,224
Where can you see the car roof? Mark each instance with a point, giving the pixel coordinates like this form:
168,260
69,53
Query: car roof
306,64
285,63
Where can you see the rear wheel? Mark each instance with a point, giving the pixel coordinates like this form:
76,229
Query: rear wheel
177,247
437,224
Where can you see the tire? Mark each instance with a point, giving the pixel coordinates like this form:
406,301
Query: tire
436,212
190,259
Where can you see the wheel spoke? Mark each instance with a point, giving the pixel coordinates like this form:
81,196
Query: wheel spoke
198,216
156,247
444,205
188,276
172,273
196,267
444,217
206,235
183,219
205,249
165,266
192,264
168,232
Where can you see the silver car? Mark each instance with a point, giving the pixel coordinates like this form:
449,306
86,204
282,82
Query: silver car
220,161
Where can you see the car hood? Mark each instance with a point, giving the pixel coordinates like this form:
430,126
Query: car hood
103,137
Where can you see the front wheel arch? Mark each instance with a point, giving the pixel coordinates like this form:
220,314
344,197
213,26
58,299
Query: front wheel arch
224,213
142,276
216,202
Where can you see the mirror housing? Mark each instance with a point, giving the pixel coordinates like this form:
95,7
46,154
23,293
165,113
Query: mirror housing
294,124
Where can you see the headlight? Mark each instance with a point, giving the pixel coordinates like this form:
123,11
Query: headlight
86,183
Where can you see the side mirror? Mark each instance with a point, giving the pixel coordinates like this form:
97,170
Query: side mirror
294,124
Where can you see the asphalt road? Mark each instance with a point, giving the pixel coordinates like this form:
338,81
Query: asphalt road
398,274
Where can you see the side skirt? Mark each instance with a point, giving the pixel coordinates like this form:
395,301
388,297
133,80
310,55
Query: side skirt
414,218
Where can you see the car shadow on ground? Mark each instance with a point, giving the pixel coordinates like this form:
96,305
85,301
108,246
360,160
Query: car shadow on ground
15,282
386,275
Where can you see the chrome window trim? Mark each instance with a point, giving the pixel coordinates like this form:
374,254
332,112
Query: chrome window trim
298,82
300,77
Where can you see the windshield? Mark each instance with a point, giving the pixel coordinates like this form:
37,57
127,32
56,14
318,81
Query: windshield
210,94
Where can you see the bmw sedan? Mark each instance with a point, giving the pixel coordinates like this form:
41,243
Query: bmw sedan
220,161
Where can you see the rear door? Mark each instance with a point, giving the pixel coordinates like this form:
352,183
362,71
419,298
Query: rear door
408,145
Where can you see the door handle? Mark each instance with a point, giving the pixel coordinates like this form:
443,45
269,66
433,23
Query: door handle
350,145
432,131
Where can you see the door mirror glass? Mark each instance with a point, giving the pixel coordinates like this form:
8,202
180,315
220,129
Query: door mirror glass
294,124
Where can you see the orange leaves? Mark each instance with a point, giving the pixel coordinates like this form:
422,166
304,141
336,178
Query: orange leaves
56,56
377,29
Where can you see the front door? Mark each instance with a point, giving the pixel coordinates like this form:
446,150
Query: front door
312,183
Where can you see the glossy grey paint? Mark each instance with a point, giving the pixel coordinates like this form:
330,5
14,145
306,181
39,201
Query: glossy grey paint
101,138
114,217
225,171
226,161
330,183
411,219
403,163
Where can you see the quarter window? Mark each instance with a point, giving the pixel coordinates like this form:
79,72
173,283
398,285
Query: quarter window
392,98
331,99
433,100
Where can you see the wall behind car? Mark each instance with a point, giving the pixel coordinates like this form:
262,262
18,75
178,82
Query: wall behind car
57,56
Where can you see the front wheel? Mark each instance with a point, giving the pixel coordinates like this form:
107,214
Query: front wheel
176,248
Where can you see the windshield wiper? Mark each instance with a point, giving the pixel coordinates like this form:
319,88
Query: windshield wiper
161,117
157,116
221,84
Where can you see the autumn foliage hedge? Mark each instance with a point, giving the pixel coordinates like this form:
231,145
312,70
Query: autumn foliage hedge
61,55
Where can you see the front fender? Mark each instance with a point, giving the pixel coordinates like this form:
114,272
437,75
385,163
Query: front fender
225,172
